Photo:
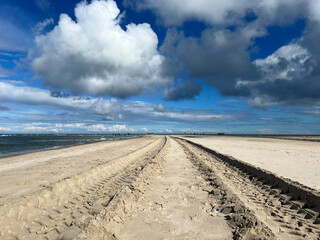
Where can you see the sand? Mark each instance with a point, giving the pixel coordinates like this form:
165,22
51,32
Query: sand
293,159
73,201
173,205
26,173
157,187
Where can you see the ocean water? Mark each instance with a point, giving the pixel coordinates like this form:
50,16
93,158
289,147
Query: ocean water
23,143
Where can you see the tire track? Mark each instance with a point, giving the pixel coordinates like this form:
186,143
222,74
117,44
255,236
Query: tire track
67,207
110,222
253,202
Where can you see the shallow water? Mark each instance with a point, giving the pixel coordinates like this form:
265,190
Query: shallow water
22,143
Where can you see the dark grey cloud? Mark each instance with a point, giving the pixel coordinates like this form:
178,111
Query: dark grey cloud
59,94
186,90
221,55
289,76
220,58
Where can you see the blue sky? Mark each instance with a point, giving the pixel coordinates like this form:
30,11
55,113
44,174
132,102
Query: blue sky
162,66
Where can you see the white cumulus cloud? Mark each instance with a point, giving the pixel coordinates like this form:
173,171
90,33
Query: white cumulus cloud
94,55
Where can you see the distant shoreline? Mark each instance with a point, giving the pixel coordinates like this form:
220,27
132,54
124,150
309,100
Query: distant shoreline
13,154
309,138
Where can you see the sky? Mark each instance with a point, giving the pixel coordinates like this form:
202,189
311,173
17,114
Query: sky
189,66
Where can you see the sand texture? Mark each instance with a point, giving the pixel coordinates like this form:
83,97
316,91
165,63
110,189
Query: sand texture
167,202
23,174
296,160
163,188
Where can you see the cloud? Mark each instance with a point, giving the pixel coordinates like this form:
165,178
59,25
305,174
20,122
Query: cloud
314,8
176,12
95,55
283,63
10,93
5,129
96,128
187,90
227,12
191,116
120,128
221,55
262,101
314,110
60,107
220,58
47,127
39,129
40,26
4,108
290,76
160,108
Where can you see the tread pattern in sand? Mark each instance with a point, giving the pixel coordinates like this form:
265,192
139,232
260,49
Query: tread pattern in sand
284,213
167,201
67,207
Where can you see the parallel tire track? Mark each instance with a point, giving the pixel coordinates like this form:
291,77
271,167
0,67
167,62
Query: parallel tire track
287,209
67,207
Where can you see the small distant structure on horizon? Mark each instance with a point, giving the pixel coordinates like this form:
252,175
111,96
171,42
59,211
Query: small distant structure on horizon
220,133
197,133
124,134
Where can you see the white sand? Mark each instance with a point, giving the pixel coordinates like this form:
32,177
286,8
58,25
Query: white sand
59,210
296,160
166,202
27,173
146,189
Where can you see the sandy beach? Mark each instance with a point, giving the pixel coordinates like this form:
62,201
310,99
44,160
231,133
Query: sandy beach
159,120
164,187
293,159
41,169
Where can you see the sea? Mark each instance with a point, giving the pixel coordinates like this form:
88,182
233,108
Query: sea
11,144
